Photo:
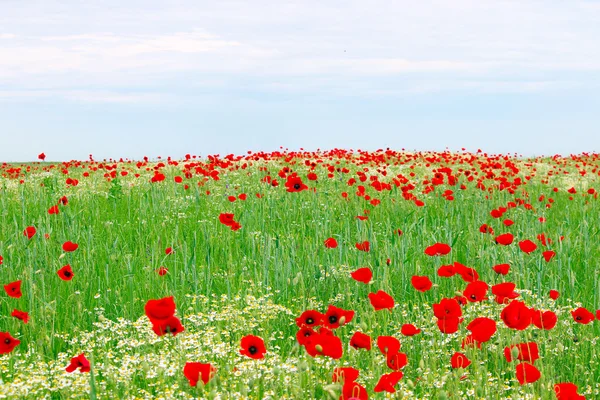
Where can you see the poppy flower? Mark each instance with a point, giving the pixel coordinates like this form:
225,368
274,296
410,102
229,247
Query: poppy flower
65,273
336,317
517,315
170,325
361,341
482,329
554,294
162,271
363,246
345,374
548,255
505,239
598,315
310,318
331,243
169,250
7,343
195,371
69,246
447,308
363,275
63,200
567,391
324,343
523,352
476,291
388,345
409,330
508,222
466,273
504,292
582,316
438,249
22,315
304,334
446,271
79,362
29,232
162,309
13,289
396,361
381,300
42,156
544,319
353,391
387,382
448,325
501,269
295,184
53,210
459,360
226,219
253,347
421,283
527,373
527,246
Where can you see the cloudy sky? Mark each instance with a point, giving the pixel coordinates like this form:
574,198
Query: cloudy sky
134,78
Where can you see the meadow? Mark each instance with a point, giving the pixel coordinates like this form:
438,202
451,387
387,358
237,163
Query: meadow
301,275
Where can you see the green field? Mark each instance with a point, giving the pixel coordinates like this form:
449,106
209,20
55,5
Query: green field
258,279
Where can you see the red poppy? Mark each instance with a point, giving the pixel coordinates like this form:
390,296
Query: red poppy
517,315
544,319
195,371
361,341
42,156
65,273
253,347
396,361
331,243
162,309
582,316
336,317
501,269
79,362
69,246
567,391
7,343
467,274
388,345
13,289
226,219
409,330
29,232
345,374
363,275
364,246
482,329
381,300
421,283
446,271
310,318
598,315
324,343
22,315
476,291
438,249
485,228
295,184
447,308
162,271
527,373
504,292
170,325
387,382
505,239
549,255
554,294
523,352
353,391
304,334
527,246
508,222
448,325
459,360
53,210
169,250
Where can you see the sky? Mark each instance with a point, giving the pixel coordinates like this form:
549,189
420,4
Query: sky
153,78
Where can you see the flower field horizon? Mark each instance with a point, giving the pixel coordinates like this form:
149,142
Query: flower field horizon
333,274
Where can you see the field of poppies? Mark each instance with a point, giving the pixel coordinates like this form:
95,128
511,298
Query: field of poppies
301,275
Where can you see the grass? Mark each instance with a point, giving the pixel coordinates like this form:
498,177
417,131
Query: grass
258,279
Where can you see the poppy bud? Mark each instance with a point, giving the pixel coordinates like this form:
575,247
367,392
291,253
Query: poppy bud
342,320
514,352
319,348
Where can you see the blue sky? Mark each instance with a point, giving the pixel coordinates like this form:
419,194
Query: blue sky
135,78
